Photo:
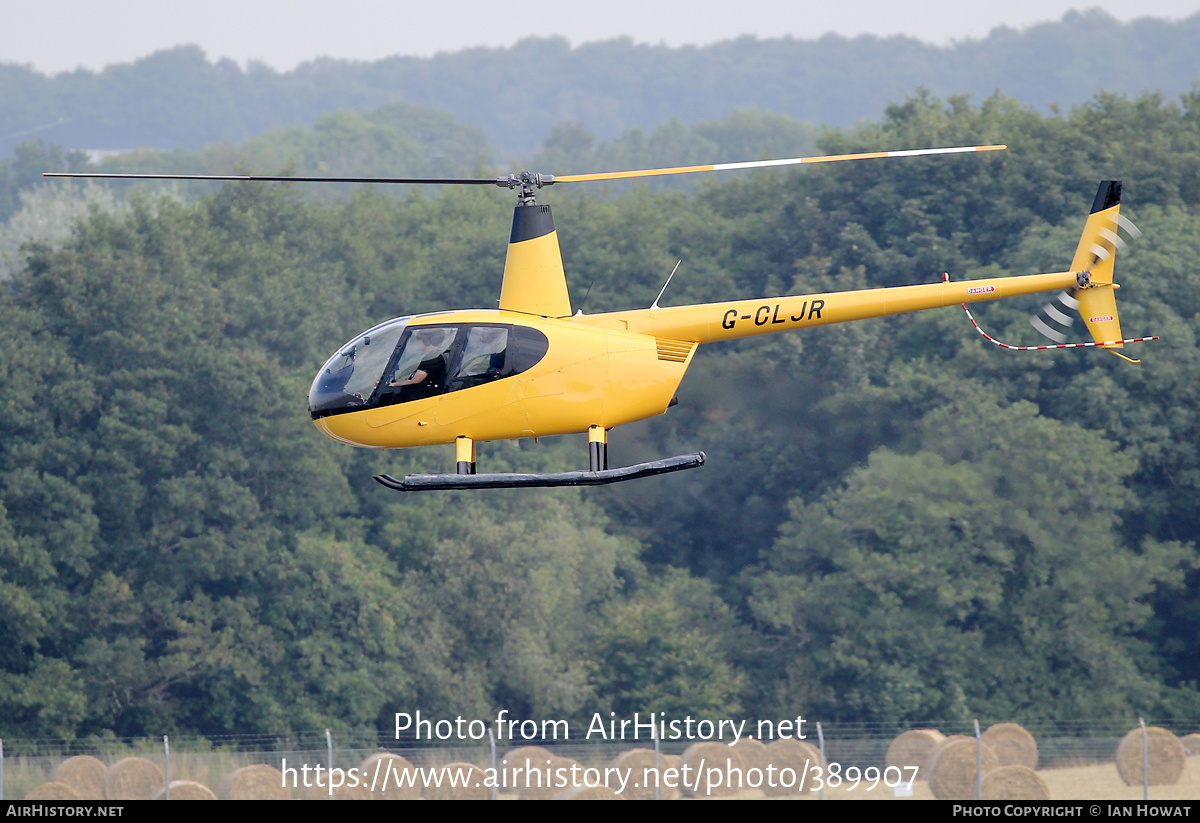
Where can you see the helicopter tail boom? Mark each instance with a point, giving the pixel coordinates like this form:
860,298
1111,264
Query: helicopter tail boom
712,322
1088,286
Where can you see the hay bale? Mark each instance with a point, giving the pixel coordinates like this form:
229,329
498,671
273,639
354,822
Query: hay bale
257,782
639,764
1191,744
1014,782
590,793
914,747
698,758
386,771
952,773
549,785
513,765
133,778
1013,745
954,738
946,741
1166,757
320,792
84,774
53,790
186,790
751,752
474,790
789,753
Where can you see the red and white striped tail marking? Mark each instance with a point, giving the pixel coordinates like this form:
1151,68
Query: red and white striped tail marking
1105,344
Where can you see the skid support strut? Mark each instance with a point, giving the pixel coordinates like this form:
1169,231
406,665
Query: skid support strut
597,449
464,448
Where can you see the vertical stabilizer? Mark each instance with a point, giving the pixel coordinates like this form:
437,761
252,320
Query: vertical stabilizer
1098,244
534,280
1096,255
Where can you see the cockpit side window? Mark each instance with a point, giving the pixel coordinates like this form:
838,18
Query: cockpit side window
421,364
527,347
483,358
434,360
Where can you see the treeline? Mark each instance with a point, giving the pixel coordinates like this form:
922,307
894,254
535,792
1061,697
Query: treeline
178,99
393,140
898,522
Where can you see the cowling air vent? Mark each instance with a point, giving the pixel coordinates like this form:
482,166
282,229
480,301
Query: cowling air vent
676,351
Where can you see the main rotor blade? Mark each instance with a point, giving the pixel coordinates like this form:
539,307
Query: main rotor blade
444,181
758,164
526,180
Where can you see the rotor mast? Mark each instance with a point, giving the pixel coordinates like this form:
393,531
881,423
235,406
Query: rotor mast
525,182
534,279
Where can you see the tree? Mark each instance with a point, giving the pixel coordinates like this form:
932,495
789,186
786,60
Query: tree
668,650
504,608
983,573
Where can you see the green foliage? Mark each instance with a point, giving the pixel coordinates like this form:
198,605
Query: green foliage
505,607
981,574
397,140
668,650
896,522
24,171
743,134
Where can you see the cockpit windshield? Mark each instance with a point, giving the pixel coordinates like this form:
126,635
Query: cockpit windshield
394,363
349,378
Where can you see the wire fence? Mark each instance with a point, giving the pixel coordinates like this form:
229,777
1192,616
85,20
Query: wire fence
836,761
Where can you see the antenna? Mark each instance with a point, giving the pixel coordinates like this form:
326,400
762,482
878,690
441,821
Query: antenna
583,302
654,305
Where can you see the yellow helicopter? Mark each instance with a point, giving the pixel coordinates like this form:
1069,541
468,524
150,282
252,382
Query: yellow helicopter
532,368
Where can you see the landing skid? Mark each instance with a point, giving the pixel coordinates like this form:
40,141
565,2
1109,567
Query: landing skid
431,482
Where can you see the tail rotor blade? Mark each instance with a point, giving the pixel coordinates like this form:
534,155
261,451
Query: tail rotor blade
1127,224
1112,237
1110,240
1052,322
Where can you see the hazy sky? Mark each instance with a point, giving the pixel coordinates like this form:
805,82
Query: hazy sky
60,35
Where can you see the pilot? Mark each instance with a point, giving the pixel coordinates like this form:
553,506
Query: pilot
430,374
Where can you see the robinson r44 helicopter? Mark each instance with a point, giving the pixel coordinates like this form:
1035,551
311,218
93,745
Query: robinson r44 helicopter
531,368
